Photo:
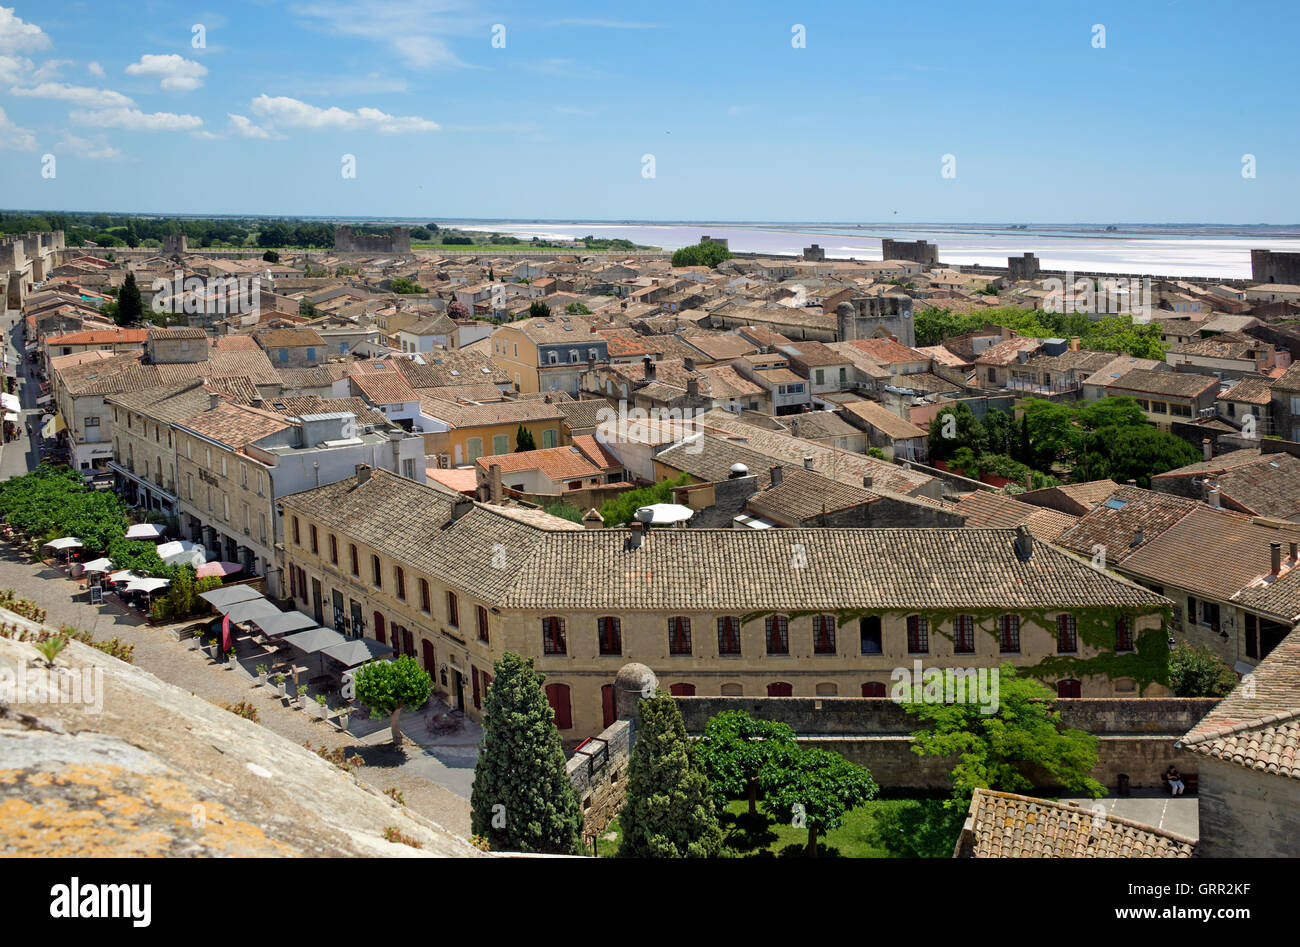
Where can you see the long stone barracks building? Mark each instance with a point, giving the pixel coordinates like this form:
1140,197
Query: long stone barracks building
794,612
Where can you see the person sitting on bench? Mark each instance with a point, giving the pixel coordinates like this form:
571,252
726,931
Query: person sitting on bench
1175,780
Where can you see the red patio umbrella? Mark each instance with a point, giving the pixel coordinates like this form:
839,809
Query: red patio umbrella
218,569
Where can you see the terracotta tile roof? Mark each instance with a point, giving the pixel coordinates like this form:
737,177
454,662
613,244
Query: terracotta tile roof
1073,498
1213,552
234,425
986,509
887,351
1116,368
312,404
176,332
384,387
1270,487
722,346
1115,522
449,368
1216,465
460,479
480,392
97,337
622,343
803,495
555,463
1007,825
1257,725
596,452
1249,391
1007,351
723,381
580,415
749,570
1170,384
239,387
882,419
288,338
502,412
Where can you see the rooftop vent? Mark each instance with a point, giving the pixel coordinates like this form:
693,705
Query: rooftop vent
739,470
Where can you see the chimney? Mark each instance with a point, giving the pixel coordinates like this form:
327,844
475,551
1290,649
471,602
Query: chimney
637,535
777,472
807,463
692,387
494,483
1294,557
1207,448
1275,557
1139,537
214,400
868,480
794,427
1024,543
460,506
649,368
1029,480
1132,483
363,473
688,363
1214,497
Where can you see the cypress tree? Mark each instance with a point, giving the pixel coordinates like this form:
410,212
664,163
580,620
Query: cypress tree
522,799
524,440
669,812
129,303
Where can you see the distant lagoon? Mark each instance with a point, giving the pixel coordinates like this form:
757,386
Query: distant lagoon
1170,250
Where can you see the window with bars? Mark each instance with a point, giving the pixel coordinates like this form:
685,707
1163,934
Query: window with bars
1009,634
553,640
679,635
1067,634
728,635
918,635
963,634
1124,633
823,634
609,634
778,634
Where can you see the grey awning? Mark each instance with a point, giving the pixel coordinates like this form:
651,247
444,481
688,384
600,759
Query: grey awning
284,623
241,612
318,639
357,651
230,595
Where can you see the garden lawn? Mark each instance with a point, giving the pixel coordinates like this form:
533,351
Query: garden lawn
856,838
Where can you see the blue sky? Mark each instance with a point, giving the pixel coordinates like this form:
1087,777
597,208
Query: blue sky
742,125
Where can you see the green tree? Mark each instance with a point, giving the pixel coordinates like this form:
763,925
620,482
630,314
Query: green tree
130,305
992,751
522,799
965,430
814,788
270,256
701,254
388,687
406,287
669,812
538,309
621,509
736,750
1133,453
1051,432
1198,672
524,440
919,828
577,309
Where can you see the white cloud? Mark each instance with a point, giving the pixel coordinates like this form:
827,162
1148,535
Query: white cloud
96,69
137,121
85,148
18,69
77,95
413,29
244,127
11,136
16,35
292,113
178,74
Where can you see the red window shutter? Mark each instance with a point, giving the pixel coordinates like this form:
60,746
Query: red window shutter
607,704
780,689
558,695
682,690
478,702
379,628
873,689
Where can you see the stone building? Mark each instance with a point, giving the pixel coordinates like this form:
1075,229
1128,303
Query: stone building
866,317
1022,267
918,251
809,612
398,241
1270,266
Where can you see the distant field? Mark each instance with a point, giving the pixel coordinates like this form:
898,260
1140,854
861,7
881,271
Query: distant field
453,249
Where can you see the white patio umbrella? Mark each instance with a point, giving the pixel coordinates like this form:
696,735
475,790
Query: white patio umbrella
147,584
180,552
145,531
99,565
67,542
125,575
658,513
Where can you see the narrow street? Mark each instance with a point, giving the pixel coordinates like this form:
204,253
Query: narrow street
19,456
